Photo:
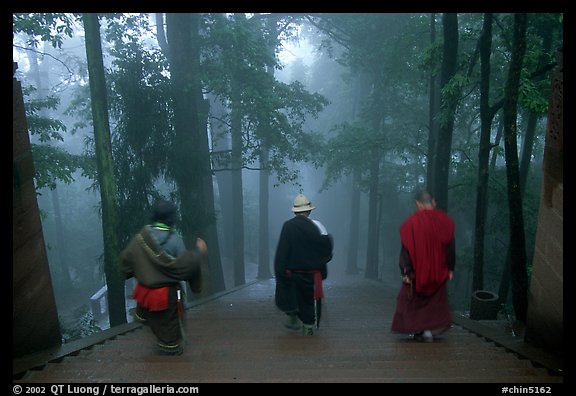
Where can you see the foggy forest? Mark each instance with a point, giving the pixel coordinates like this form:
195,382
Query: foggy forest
231,115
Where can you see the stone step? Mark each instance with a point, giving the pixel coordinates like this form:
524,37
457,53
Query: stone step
186,373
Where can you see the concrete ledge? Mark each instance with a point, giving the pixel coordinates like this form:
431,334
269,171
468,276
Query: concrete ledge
514,344
40,359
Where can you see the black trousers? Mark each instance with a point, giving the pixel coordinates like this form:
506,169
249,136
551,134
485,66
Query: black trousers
295,295
164,324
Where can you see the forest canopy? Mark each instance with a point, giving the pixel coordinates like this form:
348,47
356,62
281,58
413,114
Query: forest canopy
230,115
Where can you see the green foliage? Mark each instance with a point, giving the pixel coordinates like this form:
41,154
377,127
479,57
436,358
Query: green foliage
140,105
79,108
383,88
234,49
532,97
51,163
54,163
431,58
346,151
79,324
450,94
48,27
238,56
281,111
45,128
455,85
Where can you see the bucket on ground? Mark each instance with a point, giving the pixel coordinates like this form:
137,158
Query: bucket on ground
484,305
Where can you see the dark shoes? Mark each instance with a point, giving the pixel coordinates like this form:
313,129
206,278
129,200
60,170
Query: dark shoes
308,330
292,322
170,350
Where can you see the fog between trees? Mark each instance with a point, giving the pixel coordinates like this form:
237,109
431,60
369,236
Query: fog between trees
217,113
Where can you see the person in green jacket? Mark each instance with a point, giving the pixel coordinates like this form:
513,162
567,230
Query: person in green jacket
159,261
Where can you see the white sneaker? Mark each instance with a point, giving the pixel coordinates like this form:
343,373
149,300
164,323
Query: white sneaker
427,336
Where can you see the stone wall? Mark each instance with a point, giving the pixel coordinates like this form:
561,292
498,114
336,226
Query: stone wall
545,321
35,324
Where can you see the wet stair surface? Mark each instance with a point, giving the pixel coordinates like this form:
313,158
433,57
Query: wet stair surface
239,337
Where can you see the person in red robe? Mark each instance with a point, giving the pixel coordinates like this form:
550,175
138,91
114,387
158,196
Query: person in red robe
427,260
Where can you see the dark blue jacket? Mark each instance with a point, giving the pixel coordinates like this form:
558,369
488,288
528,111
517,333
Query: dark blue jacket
302,247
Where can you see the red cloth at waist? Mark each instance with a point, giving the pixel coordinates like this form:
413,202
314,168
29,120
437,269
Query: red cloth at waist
152,299
318,290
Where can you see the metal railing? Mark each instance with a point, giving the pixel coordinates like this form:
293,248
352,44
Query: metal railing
99,301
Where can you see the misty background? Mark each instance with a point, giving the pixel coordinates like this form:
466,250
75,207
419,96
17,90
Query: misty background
340,107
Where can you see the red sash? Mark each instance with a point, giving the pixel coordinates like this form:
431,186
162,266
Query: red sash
152,299
318,290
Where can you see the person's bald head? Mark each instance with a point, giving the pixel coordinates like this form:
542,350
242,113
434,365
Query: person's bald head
425,200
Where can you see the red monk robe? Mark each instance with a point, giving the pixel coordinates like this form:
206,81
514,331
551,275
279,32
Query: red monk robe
427,258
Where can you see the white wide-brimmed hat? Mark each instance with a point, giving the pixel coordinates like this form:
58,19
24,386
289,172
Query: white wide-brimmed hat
302,204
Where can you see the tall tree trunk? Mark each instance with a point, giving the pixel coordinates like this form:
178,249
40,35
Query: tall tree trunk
237,191
352,262
263,229
448,108
216,276
160,34
524,168
374,155
518,272
60,240
264,271
190,162
526,156
216,273
221,144
497,139
483,153
504,287
433,110
372,248
361,87
105,166
186,166
527,146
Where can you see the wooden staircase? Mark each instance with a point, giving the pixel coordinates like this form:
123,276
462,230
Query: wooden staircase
238,337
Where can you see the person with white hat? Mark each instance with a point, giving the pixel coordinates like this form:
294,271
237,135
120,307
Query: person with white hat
304,248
